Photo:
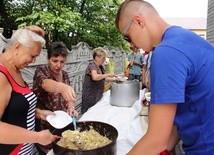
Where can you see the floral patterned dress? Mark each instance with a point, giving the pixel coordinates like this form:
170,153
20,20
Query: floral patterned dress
46,100
92,90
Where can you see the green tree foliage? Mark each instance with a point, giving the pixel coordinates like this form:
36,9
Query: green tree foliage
70,21
9,11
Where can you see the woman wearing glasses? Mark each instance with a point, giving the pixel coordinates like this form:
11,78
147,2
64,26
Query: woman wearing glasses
94,80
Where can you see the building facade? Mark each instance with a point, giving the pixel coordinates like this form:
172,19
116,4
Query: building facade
197,25
210,21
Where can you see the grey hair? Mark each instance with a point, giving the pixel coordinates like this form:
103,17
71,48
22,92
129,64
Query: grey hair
98,51
25,37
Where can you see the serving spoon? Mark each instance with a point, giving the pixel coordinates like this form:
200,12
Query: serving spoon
74,121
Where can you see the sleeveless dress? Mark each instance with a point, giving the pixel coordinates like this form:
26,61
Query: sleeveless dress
20,112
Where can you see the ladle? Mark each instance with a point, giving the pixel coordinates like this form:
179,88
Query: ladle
74,121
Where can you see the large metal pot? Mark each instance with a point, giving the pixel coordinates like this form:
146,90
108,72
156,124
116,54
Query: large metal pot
103,128
124,94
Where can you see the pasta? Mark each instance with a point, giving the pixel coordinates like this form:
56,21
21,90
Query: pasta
84,140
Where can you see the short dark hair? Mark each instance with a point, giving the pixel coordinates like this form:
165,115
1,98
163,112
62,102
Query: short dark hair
57,48
120,11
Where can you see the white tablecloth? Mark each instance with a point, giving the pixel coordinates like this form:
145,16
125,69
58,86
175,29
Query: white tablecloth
126,120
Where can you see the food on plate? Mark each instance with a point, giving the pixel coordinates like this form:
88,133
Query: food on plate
83,140
120,78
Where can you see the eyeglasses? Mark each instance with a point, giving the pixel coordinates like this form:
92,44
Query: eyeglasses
101,56
126,37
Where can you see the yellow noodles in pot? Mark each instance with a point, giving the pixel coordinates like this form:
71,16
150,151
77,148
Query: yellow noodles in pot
85,140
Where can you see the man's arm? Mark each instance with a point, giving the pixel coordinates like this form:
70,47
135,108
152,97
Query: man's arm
156,139
174,139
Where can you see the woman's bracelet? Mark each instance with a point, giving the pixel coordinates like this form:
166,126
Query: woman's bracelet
71,107
57,88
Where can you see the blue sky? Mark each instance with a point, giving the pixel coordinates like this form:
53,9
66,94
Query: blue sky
181,8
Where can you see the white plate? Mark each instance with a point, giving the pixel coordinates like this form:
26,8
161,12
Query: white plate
148,96
122,79
60,120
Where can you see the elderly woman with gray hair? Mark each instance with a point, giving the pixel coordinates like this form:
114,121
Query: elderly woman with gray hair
18,102
94,81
